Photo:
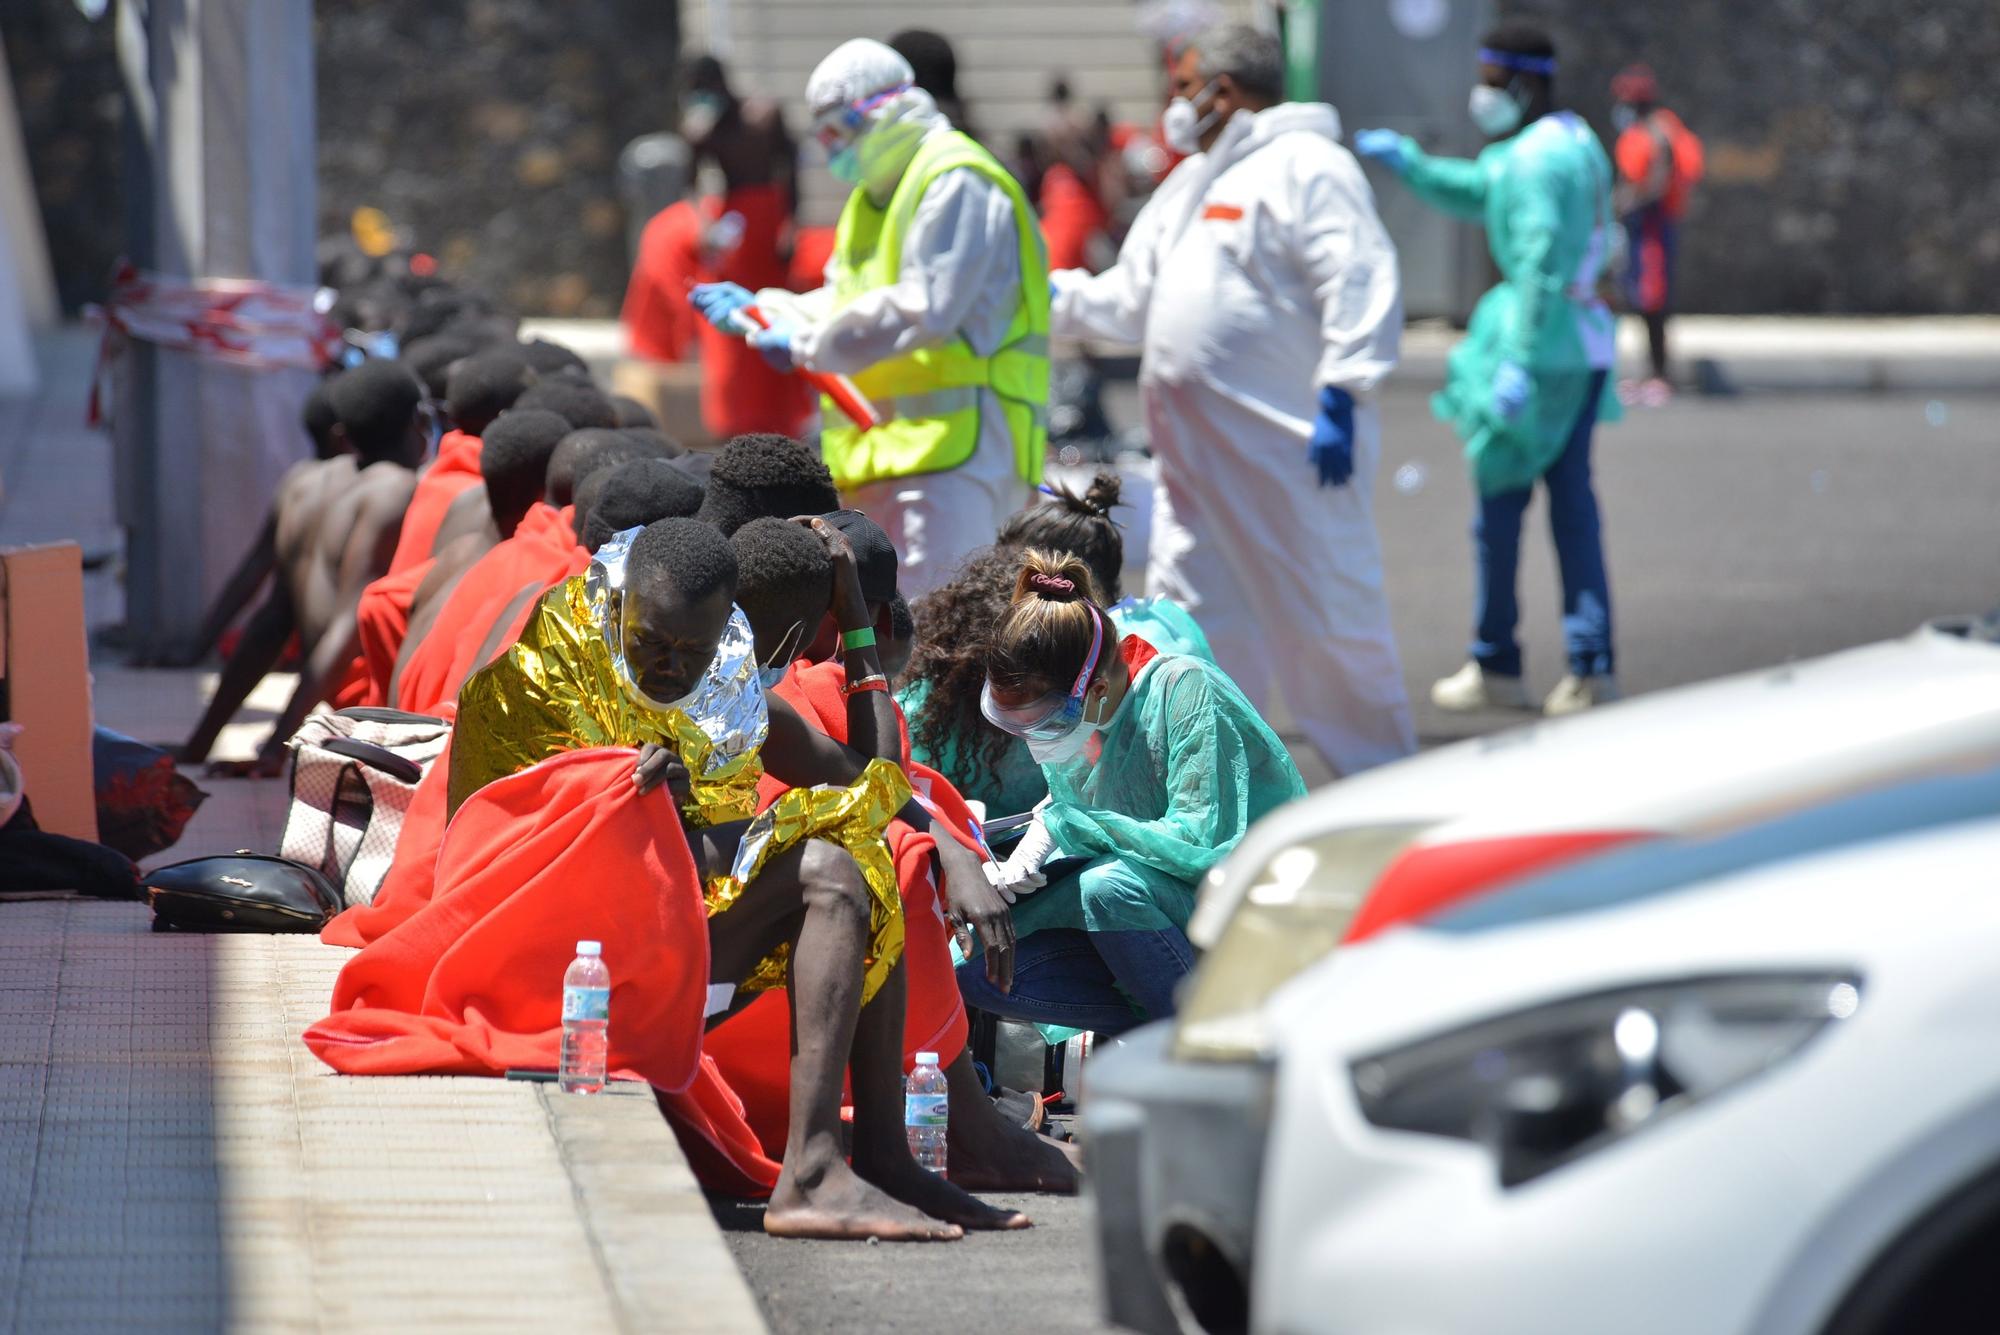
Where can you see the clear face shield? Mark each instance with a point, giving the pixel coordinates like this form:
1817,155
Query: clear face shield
1054,716
839,130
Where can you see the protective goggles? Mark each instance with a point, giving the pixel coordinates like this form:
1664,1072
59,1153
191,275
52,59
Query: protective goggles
838,127
1053,716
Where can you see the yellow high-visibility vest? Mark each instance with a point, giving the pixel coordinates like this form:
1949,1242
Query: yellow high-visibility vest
930,398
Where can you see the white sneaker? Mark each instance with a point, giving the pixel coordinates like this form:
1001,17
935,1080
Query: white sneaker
1473,687
1574,694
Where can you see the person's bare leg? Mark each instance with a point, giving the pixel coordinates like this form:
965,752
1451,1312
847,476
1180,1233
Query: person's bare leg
881,1146
989,1152
818,1195
257,652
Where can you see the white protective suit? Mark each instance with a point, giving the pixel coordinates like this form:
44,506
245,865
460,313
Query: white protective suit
960,274
1256,274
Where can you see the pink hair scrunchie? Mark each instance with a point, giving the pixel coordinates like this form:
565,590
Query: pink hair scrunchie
1051,583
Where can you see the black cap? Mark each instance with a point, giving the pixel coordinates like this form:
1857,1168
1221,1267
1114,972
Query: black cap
874,555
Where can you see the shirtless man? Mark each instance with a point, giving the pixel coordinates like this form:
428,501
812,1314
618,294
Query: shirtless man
333,529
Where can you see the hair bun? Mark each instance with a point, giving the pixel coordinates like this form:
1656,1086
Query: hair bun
1101,494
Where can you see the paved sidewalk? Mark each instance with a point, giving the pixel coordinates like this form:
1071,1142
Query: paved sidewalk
175,1158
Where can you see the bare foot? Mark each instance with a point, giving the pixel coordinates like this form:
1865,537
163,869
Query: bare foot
898,1174
989,1152
841,1205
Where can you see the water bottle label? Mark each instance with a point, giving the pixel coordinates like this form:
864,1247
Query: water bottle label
586,1003
924,1110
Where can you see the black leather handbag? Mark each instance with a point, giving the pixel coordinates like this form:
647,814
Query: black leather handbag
243,892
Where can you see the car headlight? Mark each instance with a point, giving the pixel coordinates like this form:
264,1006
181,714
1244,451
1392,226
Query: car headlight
1265,929
1543,1087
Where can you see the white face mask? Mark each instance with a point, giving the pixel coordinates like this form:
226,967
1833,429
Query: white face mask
1182,126
1494,110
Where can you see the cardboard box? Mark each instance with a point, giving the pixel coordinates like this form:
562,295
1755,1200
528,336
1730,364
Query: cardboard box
45,682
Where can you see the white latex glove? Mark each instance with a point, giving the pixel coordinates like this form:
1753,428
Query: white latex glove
1012,882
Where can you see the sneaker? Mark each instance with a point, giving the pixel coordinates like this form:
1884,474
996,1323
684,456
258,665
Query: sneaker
1655,393
1473,687
1628,393
1574,694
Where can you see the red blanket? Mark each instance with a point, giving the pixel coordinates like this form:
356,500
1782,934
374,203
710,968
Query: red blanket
455,468
472,984
542,551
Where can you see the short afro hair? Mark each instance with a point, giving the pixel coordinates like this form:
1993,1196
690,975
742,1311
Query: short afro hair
514,459
553,359
902,621
684,555
635,494
431,358
631,412
784,576
763,475
582,453
479,388
318,418
576,401
375,403
663,445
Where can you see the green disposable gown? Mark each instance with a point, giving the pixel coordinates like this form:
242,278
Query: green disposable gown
1544,196
1186,766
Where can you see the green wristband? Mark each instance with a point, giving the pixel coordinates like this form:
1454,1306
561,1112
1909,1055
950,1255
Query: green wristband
858,639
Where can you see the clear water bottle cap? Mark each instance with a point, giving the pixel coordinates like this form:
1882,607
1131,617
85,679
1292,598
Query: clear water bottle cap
590,949
927,1059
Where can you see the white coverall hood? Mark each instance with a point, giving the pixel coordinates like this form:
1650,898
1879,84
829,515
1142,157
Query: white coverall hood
1258,273
893,129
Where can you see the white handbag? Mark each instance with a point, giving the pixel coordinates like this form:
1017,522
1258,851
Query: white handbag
354,772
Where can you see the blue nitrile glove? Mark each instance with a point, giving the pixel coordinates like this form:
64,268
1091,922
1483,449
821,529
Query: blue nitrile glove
1385,146
1510,390
776,345
1332,446
718,301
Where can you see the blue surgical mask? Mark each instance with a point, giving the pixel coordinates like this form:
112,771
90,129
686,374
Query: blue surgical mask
769,677
845,164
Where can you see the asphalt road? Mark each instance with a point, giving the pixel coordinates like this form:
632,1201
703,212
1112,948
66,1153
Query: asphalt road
1741,533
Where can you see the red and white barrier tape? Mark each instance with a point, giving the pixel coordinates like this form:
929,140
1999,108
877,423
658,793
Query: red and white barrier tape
240,321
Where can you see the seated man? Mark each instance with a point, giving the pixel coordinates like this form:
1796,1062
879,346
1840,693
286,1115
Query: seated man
649,651
332,531
759,475
524,541
782,589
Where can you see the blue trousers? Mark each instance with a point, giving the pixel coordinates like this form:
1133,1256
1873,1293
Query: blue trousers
1063,976
1573,523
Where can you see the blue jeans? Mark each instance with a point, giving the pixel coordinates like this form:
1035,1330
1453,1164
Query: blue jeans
1573,523
1064,976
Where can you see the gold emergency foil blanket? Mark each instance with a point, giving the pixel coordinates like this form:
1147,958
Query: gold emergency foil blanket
855,817
560,689
557,690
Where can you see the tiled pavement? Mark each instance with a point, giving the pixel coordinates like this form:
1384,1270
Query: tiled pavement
172,1157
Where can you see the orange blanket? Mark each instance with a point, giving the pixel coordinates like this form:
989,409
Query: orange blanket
472,984
383,618
750,1052
455,468
542,551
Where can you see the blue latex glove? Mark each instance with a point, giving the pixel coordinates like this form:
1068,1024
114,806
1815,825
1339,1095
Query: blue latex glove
1332,446
776,345
718,301
1510,391
1384,146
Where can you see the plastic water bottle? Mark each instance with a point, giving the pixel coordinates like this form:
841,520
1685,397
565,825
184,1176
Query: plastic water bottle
586,1015
924,1110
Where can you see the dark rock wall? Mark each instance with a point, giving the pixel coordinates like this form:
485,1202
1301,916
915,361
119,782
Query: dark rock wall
489,131
1851,143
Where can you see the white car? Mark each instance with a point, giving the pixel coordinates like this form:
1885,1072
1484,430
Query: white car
1728,1086
1176,1117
